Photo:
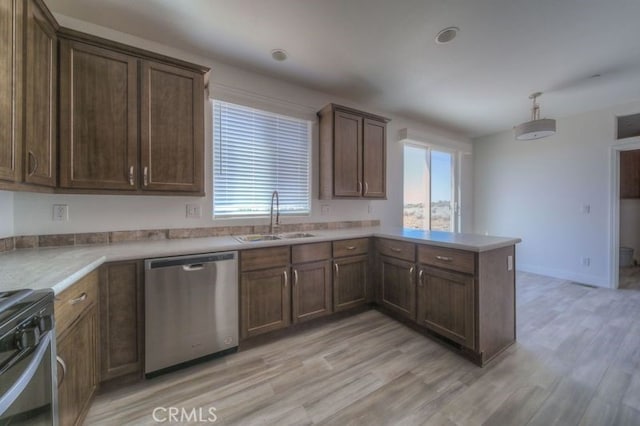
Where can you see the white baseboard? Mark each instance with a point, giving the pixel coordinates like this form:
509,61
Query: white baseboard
566,275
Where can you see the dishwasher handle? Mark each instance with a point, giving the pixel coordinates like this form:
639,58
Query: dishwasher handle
193,267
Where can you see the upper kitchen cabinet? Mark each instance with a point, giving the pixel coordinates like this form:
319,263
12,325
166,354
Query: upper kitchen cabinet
98,118
352,153
131,120
11,12
172,128
28,93
40,67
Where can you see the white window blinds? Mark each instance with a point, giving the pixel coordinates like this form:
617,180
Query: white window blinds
255,153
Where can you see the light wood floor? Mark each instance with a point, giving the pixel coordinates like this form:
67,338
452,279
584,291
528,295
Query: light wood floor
576,362
630,278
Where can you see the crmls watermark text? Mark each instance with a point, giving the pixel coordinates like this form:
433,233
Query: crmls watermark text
184,415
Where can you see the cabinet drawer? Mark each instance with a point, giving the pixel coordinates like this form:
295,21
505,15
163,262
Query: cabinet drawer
350,247
456,260
398,249
310,252
264,258
72,302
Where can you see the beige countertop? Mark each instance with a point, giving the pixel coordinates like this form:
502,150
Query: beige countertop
58,268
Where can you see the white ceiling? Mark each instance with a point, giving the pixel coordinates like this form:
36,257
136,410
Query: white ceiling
382,53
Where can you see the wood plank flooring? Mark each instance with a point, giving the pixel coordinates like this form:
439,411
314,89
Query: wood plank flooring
576,362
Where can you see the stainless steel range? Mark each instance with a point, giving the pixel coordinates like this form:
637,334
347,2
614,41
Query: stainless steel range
27,358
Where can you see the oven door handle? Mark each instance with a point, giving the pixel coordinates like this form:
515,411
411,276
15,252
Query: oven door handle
18,387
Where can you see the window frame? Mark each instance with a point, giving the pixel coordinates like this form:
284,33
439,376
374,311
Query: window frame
309,148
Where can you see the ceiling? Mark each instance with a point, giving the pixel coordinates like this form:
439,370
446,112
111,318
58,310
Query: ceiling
382,53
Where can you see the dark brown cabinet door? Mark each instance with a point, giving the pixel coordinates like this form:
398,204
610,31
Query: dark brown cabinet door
311,290
40,98
121,319
446,304
374,151
397,290
347,152
630,174
172,128
98,118
77,380
265,301
11,84
350,282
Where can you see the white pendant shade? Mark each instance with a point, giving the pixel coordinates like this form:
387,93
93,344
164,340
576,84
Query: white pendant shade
536,129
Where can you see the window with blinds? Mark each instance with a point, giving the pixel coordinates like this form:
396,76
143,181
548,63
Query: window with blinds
255,153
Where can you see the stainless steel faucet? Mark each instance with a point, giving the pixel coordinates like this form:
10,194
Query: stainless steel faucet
275,196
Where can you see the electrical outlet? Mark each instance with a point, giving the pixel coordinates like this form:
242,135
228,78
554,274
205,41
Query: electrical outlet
194,211
586,261
60,212
585,209
325,209
509,263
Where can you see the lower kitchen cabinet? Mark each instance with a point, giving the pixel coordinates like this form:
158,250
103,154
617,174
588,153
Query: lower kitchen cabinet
350,282
397,290
311,290
76,311
265,301
121,290
446,304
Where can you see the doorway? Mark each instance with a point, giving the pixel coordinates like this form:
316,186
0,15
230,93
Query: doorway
629,219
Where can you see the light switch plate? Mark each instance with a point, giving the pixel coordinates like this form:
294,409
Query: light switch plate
194,211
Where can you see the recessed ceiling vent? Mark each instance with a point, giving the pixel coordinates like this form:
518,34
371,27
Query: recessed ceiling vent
446,35
628,126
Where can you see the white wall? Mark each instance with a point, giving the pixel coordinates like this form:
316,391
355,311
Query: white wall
630,225
6,214
536,190
33,212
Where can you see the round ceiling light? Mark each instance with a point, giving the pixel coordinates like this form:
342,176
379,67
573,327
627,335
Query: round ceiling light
447,35
279,54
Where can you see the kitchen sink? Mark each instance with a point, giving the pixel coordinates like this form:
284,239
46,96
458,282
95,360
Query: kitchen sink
296,235
254,238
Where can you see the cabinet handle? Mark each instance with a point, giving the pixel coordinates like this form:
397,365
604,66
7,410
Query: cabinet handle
335,266
131,181
78,299
350,247
444,258
295,277
60,361
420,274
411,274
286,278
366,187
35,163
359,187
145,175
395,249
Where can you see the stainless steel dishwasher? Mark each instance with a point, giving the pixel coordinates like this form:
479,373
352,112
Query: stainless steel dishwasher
191,309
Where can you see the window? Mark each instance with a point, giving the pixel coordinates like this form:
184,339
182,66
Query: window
429,196
255,153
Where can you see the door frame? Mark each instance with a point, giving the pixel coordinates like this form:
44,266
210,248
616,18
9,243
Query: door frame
614,203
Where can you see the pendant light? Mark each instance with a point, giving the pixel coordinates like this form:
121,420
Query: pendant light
537,128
